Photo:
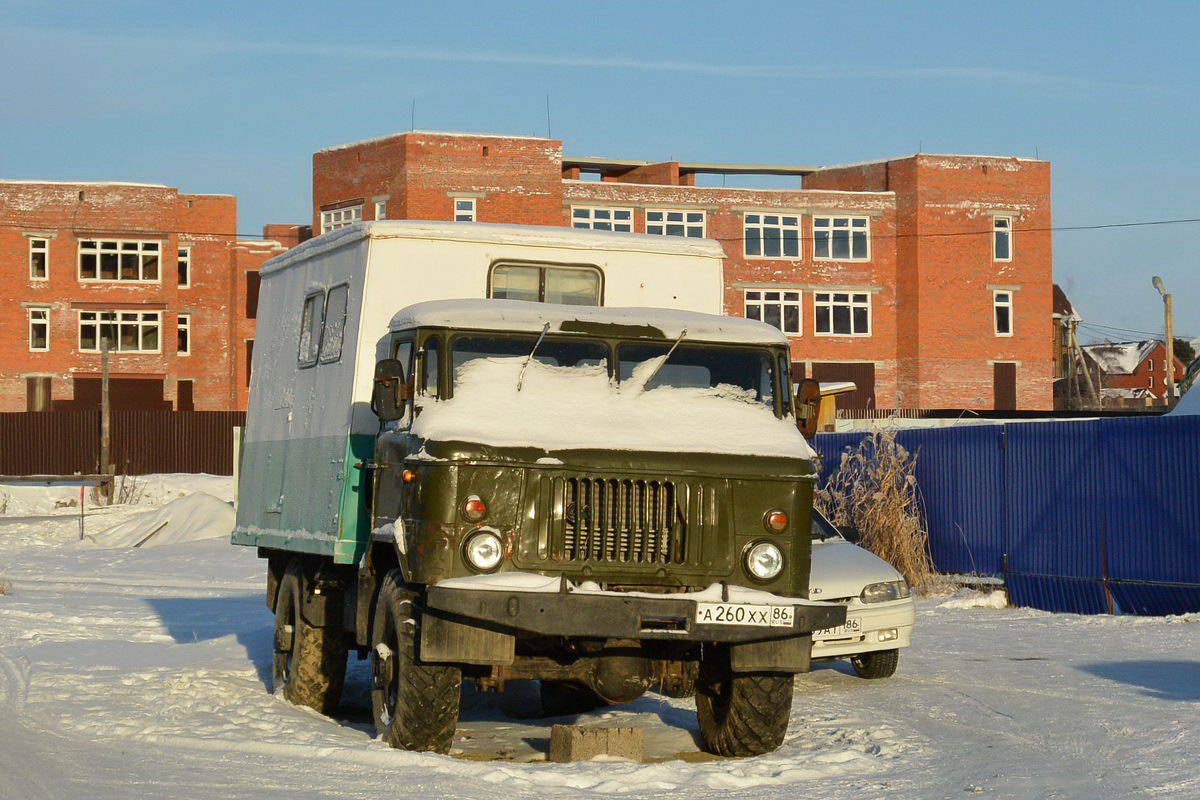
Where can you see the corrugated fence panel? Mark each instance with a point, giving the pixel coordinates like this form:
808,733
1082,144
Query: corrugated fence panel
178,441
1152,492
960,472
1055,509
49,443
1149,599
1051,593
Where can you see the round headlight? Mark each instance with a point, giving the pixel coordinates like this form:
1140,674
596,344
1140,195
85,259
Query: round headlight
483,551
776,521
764,561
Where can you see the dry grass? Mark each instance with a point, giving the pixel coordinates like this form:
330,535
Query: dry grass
4,587
874,489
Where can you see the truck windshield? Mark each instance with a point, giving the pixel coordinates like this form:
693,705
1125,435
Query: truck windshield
555,352
699,366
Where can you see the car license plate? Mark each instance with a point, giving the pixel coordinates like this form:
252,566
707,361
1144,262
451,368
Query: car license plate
745,614
853,627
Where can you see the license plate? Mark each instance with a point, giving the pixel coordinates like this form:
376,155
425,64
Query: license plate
744,614
853,627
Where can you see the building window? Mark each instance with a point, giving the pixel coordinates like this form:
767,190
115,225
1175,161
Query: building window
772,236
576,286
464,209
602,219
1002,238
39,329
676,223
781,309
125,331
1149,364
842,314
381,209
184,328
843,238
184,262
340,218
117,260
1002,301
39,259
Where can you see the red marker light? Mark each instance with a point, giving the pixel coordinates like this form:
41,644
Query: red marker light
777,521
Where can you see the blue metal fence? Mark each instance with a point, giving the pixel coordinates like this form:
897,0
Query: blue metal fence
1088,517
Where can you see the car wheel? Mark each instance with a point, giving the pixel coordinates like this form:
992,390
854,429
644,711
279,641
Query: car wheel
880,664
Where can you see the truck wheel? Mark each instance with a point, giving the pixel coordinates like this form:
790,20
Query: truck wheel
415,705
741,713
309,666
880,664
565,699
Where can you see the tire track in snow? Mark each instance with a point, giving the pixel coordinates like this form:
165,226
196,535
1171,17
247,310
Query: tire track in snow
21,764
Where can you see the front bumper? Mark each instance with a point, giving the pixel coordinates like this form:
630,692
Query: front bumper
898,615
617,615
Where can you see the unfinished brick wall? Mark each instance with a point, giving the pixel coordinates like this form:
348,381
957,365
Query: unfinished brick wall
65,214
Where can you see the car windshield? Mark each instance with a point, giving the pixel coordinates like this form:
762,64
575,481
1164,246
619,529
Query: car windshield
554,352
698,366
822,528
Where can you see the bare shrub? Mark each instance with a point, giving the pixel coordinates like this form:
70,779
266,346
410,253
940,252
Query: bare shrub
874,489
129,490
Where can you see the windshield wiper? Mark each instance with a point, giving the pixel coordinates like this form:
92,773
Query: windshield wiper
528,358
650,377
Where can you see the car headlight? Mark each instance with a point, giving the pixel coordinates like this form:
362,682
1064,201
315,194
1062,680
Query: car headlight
764,561
483,550
883,592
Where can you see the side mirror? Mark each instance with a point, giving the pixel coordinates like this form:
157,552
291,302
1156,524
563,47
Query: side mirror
808,407
389,396
851,535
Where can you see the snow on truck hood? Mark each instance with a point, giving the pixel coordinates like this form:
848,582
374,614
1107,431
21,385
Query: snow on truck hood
840,569
567,408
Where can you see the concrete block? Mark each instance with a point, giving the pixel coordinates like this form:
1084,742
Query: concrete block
579,743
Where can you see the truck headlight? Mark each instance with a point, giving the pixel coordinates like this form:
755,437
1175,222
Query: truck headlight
483,550
764,561
883,592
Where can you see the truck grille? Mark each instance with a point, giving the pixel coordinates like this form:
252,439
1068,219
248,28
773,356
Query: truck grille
619,520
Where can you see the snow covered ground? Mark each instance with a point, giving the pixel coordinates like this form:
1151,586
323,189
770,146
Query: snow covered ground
142,672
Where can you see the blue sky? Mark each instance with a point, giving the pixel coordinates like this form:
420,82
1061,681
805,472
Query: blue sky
235,97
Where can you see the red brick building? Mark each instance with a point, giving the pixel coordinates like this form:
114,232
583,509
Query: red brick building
925,279
158,275
1132,373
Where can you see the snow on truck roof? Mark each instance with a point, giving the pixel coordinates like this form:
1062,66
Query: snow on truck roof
519,315
494,233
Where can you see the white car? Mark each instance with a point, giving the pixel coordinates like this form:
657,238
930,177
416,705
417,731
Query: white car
879,607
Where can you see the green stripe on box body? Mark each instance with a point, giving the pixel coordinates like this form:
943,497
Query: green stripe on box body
306,495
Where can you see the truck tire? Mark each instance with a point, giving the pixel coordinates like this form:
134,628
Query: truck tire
415,705
741,713
880,664
309,666
561,699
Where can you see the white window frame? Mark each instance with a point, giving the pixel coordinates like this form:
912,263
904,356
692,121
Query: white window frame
826,226
183,334
1002,298
139,321
138,249
1002,230
689,223
830,302
602,218
781,224
762,304
183,265
336,218
381,209
39,317
464,209
39,246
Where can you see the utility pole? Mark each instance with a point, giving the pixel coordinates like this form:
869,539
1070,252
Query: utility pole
1169,395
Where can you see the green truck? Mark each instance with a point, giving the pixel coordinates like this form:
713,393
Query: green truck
604,499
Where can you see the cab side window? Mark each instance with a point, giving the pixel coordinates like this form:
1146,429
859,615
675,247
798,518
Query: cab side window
429,380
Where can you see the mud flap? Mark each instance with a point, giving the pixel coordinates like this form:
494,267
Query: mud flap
793,654
447,641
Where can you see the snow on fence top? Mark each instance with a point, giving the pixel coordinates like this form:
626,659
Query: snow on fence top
527,317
